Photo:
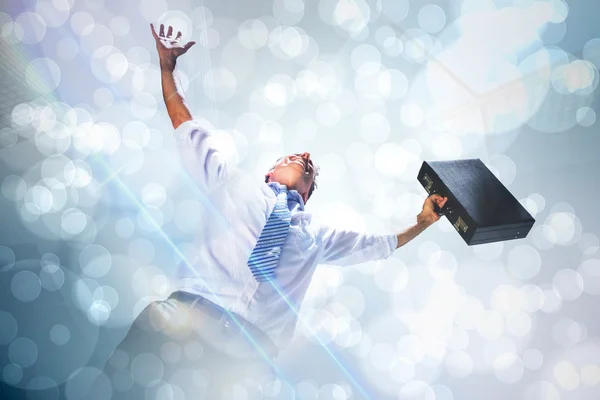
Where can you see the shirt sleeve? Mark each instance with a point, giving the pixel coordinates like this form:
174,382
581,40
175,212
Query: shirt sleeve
345,247
202,161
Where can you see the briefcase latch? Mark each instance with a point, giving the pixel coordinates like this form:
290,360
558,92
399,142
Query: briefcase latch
428,183
460,225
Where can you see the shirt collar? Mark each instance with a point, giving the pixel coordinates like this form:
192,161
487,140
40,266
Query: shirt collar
295,201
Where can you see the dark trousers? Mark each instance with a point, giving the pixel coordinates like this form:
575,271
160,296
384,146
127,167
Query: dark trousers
181,349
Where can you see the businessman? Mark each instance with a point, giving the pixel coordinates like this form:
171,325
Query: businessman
239,289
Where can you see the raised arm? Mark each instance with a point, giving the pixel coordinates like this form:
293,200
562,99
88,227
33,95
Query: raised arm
202,160
168,51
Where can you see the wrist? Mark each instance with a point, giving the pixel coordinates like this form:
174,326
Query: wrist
424,221
167,64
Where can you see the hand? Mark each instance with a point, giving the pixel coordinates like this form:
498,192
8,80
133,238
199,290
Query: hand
169,48
428,214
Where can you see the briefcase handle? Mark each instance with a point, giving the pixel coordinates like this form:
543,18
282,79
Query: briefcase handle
437,209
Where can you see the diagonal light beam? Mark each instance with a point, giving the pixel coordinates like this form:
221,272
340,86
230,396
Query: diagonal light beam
141,207
211,96
338,362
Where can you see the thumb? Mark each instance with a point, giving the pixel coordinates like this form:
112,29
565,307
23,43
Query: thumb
187,47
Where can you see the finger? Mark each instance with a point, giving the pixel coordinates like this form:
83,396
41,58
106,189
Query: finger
162,30
178,36
170,32
153,32
183,50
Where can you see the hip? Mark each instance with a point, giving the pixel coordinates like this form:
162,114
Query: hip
222,329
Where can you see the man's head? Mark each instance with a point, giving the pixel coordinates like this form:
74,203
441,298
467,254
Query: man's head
296,172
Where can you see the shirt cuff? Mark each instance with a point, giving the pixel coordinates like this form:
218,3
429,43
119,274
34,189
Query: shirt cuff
182,132
391,242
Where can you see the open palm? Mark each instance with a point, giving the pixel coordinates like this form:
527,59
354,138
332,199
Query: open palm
169,47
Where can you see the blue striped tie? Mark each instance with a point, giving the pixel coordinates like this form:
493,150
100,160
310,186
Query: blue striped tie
265,256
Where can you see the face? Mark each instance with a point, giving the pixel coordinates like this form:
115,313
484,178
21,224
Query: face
295,171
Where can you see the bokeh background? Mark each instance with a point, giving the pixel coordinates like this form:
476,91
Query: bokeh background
96,212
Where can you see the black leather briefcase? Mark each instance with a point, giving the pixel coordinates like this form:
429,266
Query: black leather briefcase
479,206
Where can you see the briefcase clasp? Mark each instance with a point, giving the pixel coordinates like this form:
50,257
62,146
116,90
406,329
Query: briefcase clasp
428,183
460,225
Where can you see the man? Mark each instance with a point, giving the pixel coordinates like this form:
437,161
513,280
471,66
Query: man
239,290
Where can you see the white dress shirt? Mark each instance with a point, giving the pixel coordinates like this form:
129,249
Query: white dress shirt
239,206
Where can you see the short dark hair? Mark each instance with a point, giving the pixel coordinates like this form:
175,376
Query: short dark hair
314,184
